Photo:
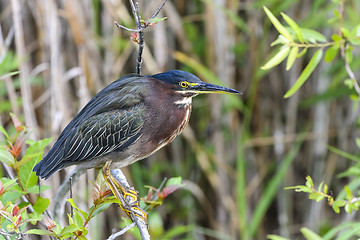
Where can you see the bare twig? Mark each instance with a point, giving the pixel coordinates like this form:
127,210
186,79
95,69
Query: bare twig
8,235
71,196
62,191
121,232
155,196
159,9
7,218
140,29
125,28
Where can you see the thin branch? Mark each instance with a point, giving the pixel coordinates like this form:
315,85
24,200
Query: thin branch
140,29
159,9
125,28
7,235
121,232
137,21
155,196
71,196
7,218
59,204
343,54
138,220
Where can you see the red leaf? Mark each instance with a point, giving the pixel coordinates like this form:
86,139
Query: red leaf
168,190
15,211
49,223
134,37
17,123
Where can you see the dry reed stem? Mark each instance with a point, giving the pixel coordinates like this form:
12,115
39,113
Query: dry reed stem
30,118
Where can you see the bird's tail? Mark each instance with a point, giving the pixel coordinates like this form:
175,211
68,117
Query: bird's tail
52,162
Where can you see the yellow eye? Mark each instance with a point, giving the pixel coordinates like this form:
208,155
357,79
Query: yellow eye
184,84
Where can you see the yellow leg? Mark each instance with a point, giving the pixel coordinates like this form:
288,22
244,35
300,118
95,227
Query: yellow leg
126,195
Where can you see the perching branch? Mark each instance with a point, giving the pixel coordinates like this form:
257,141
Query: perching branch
141,25
127,203
121,232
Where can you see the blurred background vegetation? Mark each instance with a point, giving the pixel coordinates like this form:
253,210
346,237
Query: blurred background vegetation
238,153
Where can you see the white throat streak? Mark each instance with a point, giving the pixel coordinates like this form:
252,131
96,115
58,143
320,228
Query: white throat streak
184,101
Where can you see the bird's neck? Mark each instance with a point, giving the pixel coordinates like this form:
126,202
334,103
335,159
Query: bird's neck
183,102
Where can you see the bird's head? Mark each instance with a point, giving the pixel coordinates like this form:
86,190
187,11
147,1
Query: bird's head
189,85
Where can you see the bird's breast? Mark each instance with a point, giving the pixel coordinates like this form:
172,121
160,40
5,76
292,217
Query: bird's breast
163,124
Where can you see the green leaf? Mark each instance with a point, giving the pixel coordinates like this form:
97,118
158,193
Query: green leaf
309,182
275,237
41,204
8,182
320,187
346,32
280,40
302,53
357,142
326,188
31,158
174,181
348,208
78,219
69,230
300,188
348,55
153,20
71,219
356,31
40,232
348,191
27,176
344,154
294,26
6,157
336,37
84,214
316,196
27,158
277,59
337,204
310,235
9,63
336,208
100,208
281,29
331,53
3,131
315,60
312,36
292,57
82,237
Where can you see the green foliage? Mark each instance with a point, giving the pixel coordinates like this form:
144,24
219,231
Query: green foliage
294,43
294,38
320,193
15,217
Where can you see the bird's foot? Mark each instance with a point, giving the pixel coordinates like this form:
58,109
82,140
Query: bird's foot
127,195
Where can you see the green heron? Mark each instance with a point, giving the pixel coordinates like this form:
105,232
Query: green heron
127,121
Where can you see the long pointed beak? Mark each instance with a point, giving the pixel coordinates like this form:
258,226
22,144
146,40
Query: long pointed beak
212,88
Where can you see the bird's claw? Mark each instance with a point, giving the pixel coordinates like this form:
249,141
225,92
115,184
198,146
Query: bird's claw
127,196
132,202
